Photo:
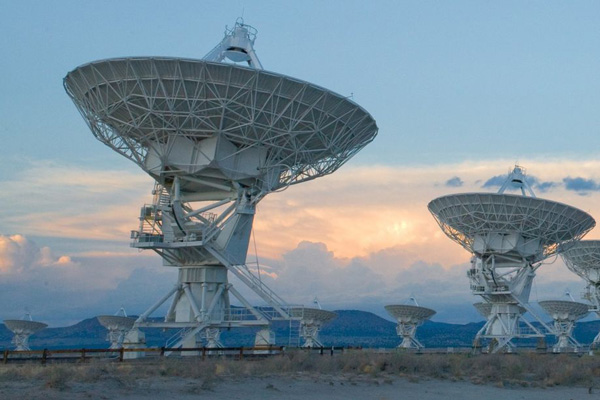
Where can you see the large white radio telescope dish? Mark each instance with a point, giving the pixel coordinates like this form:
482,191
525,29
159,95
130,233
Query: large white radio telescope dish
583,258
508,236
216,137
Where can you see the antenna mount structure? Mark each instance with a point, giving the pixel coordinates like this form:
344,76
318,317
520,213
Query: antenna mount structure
509,236
216,138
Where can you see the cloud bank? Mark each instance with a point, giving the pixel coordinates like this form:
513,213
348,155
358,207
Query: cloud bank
360,238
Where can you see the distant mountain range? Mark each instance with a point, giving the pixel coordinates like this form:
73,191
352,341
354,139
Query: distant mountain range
350,328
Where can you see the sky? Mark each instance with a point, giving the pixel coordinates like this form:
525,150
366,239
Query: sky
461,91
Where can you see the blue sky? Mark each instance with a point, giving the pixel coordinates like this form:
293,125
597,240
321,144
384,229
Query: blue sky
459,89
439,77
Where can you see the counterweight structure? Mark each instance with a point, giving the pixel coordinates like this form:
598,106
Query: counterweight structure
311,322
565,314
216,137
409,318
583,258
509,236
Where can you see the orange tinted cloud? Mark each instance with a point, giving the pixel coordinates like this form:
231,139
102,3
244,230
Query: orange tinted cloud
357,211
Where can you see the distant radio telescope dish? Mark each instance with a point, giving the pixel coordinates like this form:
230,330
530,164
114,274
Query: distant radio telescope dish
409,318
508,236
565,314
485,309
311,322
583,258
118,326
216,137
22,330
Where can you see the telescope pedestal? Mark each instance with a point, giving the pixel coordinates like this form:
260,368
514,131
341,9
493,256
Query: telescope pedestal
310,334
407,332
505,283
204,247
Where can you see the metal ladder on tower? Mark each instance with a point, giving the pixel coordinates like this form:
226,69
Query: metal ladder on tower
180,334
245,275
294,333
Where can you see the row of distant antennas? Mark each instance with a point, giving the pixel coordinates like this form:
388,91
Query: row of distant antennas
237,46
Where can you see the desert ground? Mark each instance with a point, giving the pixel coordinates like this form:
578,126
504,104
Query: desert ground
300,375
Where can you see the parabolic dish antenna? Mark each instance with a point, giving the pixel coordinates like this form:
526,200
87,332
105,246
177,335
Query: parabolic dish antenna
22,330
485,309
217,126
216,138
526,227
565,314
311,322
583,258
508,235
118,326
409,318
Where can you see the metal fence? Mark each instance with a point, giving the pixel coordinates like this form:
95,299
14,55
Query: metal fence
126,354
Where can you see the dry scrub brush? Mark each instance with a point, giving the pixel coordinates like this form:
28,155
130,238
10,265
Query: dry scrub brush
527,369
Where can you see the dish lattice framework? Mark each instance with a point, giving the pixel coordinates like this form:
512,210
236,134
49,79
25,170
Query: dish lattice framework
545,224
148,109
583,258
